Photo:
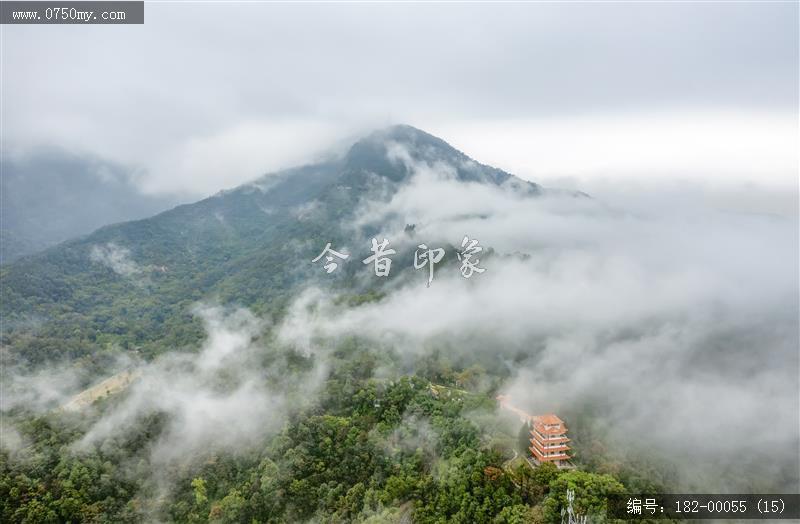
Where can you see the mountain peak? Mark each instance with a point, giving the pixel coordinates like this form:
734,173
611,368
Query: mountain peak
371,152
407,134
411,137
374,154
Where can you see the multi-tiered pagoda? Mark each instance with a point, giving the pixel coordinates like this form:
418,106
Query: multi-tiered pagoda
549,440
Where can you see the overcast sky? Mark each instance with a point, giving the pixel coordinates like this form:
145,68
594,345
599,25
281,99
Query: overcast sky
204,96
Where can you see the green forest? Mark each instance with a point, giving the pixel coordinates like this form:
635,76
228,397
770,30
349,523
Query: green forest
229,420
369,450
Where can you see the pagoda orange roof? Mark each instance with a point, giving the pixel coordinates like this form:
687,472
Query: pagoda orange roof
549,419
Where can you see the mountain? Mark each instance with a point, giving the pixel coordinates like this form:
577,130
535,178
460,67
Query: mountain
130,396
49,196
133,284
373,155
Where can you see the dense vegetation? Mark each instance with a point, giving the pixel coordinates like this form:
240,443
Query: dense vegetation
385,439
369,450
249,246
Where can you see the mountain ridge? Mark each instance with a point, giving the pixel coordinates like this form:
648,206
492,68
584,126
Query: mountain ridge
126,283
50,196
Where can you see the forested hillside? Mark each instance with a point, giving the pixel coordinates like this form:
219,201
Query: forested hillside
244,246
49,195
261,388
369,450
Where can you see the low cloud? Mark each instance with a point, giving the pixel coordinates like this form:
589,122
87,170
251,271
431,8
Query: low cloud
204,164
521,89
221,398
677,322
38,391
712,145
116,258
413,434
11,440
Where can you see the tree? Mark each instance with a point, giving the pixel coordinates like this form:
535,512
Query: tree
229,509
591,492
200,495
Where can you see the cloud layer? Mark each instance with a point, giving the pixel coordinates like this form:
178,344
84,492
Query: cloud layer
580,90
679,321
219,399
